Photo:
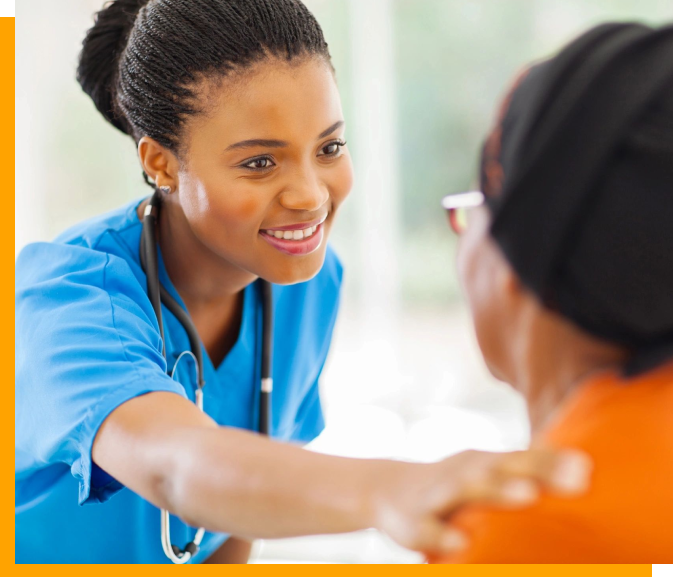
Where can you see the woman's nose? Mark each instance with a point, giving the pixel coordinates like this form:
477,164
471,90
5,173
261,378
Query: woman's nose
305,192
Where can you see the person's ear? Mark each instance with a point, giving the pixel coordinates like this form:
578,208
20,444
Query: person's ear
159,163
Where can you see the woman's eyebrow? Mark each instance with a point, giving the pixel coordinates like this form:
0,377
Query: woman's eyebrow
277,143
331,129
257,142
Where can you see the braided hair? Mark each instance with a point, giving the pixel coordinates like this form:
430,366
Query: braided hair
142,60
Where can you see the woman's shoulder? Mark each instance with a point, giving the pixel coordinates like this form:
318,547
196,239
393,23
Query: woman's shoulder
116,232
90,252
608,402
90,233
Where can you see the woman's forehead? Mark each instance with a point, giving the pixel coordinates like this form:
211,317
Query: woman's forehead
274,99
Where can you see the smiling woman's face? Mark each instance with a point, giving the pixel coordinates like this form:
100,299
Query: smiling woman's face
264,169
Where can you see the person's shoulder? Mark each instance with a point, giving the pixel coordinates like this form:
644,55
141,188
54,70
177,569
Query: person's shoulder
88,250
624,426
90,231
611,410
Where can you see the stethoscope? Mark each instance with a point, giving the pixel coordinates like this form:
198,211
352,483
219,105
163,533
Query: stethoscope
158,294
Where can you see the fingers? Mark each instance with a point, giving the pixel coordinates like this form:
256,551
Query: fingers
433,536
566,472
449,541
514,479
509,479
508,492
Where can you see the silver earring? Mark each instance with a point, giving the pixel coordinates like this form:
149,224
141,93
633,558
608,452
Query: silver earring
166,189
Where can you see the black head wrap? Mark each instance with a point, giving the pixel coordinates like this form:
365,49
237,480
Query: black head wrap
578,175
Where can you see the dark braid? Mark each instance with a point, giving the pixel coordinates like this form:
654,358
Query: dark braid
142,59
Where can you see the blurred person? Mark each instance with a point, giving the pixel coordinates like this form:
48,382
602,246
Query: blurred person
235,113
566,259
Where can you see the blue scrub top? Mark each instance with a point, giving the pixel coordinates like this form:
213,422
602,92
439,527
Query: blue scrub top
87,340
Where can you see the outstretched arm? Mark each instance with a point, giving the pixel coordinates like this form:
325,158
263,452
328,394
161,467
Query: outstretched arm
232,481
233,551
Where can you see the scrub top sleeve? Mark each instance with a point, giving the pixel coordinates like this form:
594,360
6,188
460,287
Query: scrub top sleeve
87,341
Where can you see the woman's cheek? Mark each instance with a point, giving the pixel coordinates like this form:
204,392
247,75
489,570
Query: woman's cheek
346,179
195,199
239,209
473,279
464,265
340,181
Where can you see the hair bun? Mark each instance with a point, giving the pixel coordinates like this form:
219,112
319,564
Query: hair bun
99,58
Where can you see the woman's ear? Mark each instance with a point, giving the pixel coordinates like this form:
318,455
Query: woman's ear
159,163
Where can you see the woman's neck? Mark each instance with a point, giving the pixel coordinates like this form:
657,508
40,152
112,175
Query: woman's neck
549,389
555,362
202,277
211,288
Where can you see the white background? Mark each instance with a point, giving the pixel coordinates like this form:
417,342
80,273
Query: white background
662,570
6,8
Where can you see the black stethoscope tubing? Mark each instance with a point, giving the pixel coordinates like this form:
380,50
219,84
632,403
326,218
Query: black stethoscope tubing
158,294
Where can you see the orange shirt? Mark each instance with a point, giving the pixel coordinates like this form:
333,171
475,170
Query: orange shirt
627,515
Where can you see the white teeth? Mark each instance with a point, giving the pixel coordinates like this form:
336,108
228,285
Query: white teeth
293,234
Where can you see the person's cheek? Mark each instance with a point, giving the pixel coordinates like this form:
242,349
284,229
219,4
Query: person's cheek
194,198
348,176
341,182
240,210
236,213
476,280
466,269
223,216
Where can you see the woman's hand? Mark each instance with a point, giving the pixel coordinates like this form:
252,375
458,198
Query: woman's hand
413,503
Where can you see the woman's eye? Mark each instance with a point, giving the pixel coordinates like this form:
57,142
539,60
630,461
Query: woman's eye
332,149
259,163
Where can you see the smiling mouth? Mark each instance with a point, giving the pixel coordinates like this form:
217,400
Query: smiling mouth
295,231
292,234
296,240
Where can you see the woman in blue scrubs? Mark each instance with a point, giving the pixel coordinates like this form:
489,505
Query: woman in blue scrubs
237,120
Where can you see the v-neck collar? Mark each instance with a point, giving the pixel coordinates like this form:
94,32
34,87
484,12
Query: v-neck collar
244,344
244,347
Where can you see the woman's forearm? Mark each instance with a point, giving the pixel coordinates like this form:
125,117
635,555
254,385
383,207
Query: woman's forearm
233,551
233,481
227,480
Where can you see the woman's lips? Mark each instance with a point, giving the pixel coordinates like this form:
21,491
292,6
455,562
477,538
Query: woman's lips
297,226
297,245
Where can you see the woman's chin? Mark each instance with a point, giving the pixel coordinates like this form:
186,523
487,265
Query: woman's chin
295,269
499,372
